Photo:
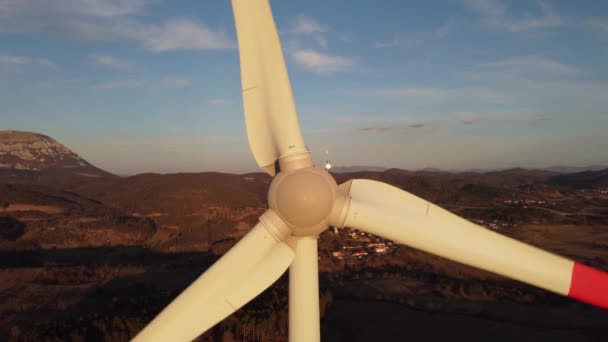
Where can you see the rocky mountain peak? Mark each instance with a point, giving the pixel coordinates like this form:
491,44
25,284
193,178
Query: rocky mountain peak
32,151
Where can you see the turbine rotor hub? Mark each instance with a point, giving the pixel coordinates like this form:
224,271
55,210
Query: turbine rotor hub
304,199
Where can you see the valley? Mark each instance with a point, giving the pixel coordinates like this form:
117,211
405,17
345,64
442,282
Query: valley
98,261
95,258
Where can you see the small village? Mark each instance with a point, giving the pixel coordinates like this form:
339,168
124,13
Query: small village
597,190
603,191
522,203
361,244
493,225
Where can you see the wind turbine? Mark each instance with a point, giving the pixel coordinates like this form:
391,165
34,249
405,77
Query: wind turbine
304,200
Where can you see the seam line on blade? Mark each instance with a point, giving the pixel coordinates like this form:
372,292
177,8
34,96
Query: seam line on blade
428,206
274,225
294,153
271,232
250,88
228,302
349,210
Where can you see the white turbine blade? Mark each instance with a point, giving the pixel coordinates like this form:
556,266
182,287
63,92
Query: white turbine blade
270,113
397,215
250,267
304,293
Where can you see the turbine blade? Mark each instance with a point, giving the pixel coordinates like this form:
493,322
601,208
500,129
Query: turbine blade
397,215
270,113
304,314
250,267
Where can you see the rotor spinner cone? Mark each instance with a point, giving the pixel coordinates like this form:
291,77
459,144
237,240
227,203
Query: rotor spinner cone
304,199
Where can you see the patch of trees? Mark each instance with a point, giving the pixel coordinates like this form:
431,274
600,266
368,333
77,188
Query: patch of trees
10,228
134,222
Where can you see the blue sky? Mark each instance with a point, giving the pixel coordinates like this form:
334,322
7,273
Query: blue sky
154,86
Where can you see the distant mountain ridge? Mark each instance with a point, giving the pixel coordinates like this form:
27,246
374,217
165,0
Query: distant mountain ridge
29,156
575,169
34,157
582,180
356,168
555,168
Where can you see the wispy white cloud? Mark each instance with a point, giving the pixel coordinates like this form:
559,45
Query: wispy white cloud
502,117
379,123
397,126
528,84
218,102
529,89
186,34
322,63
16,63
406,41
495,14
436,94
119,84
97,8
111,62
174,34
106,8
64,17
384,128
175,82
304,52
96,20
546,66
306,26
523,68
599,24
433,123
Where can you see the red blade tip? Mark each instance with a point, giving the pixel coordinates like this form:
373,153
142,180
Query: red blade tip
589,285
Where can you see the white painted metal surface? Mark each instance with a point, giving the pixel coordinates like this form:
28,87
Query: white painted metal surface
394,214
270,113
251,266
304,316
